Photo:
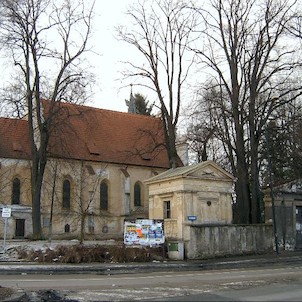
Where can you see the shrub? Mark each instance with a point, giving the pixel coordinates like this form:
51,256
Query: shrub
81,253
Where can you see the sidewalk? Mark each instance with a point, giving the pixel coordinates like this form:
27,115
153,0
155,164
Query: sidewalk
283,258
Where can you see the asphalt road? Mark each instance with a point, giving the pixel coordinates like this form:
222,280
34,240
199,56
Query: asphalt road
270,283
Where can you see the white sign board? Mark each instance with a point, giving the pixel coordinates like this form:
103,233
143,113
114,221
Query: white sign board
6,212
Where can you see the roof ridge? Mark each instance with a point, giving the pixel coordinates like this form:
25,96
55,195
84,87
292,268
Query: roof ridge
12,118
110,110
118,137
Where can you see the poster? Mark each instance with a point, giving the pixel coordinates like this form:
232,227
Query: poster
144,232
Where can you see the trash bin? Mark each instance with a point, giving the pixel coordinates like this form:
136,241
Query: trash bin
176,250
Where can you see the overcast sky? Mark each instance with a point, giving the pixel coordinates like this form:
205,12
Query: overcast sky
109,92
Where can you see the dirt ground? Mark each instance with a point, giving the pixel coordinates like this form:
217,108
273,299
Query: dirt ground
7,294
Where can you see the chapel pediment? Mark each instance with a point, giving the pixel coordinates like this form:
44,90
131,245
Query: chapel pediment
209,172
203,170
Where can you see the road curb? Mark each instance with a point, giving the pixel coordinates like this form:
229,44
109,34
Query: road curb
128,268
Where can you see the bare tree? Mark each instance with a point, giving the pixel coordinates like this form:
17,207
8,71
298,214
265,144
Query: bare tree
12,100
87,186
284,144
85,207
161,33
205,134
245,44
46,40
54,167
84,188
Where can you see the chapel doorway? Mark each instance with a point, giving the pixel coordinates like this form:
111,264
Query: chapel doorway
20,228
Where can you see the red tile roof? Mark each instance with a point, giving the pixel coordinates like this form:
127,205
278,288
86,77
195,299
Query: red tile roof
14,139
86,133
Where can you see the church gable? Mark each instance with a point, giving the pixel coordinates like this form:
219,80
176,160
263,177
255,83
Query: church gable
294,186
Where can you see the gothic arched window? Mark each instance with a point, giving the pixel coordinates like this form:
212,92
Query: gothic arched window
16,191
104,196
137,194
66,194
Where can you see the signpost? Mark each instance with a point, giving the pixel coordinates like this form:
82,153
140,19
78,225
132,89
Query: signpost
6,213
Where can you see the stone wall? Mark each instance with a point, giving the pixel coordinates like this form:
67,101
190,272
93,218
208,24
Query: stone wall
225,240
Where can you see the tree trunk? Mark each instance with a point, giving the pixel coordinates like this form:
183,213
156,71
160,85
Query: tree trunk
52,200
255,187
172,149
242,207
82,234
39,160
242,185
37,179
170,137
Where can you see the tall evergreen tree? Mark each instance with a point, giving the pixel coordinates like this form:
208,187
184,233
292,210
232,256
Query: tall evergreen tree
138,104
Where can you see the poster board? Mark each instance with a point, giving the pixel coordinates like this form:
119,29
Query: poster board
144,232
